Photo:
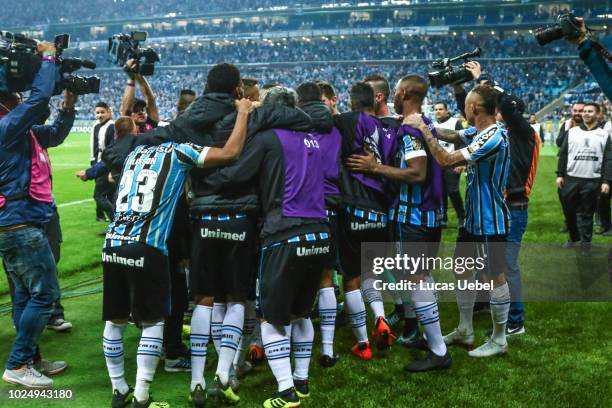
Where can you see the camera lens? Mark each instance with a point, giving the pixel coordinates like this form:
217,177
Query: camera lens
548,34
435,79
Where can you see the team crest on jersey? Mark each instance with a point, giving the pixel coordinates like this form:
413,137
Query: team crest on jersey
416,143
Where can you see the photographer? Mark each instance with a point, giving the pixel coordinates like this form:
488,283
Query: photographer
26,203
592,53
186,98
143,112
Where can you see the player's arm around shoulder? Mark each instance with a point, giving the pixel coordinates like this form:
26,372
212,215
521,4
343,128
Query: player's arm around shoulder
215,156
444,158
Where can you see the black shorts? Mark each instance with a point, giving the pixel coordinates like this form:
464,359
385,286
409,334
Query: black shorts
352,232
224,258
491,249
136,281
452,181
334,259
417,241
289,278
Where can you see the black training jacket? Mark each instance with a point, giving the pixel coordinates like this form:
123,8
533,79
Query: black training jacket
212,193
524,150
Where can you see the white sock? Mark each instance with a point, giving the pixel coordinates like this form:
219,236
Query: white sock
357,313
327,315
216,324
200,336
465,301
250,322
373,297
147,357
500,306
426,309
232,332
301,346
112,344
278,352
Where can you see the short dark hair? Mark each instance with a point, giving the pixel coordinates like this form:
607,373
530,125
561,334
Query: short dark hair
379,83
185,99
362,96
249,81
441,103
308,92
595,105
139,104
326,89
223,78
103,105
187,92
282,96
489,96
415,84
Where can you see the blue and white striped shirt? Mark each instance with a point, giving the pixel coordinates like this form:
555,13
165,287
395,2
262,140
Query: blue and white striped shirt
488,157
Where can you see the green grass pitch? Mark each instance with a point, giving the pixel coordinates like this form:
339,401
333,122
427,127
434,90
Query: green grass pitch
564,359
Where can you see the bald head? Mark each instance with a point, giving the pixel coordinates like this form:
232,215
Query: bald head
410,88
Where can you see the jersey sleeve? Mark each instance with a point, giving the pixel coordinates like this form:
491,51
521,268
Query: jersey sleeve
412,147
485,146
190,155
467,135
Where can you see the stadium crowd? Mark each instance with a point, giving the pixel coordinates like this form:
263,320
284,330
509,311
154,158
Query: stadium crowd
364,48
82,11
547,81
266,193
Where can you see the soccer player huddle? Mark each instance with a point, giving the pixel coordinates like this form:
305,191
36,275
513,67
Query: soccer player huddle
283,191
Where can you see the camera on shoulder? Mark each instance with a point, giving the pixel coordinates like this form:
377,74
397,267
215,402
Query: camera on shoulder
20,62
567,27
123,47
448,74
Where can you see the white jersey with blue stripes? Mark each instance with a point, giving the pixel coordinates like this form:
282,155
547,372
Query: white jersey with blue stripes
152,181
488,157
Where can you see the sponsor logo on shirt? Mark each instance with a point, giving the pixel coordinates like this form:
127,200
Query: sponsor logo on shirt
113,258
360,226
231,236
313,250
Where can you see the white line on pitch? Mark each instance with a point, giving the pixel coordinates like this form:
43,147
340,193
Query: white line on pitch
74,203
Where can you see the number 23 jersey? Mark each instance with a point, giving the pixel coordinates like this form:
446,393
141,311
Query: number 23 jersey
152,181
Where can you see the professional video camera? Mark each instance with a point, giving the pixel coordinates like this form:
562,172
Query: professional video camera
449,74
76,84
566,27
19,63
122,47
